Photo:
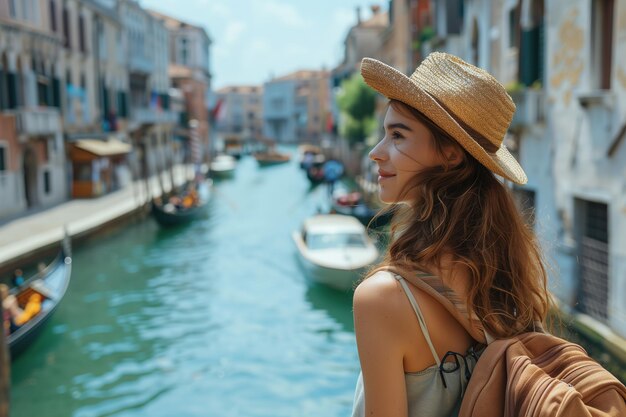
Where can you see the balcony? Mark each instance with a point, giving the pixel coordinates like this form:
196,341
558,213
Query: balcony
140,64
147,115
37,122
530,108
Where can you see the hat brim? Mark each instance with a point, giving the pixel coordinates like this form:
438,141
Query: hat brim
395,85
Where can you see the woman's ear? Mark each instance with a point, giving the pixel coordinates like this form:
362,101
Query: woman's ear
454,155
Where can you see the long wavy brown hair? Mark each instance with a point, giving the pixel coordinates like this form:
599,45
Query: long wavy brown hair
463,212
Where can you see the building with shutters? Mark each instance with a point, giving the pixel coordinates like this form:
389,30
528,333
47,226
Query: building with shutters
564,65
32,157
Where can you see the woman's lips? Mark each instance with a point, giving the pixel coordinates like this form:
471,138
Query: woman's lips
382,175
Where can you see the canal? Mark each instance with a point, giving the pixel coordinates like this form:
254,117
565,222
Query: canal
213,319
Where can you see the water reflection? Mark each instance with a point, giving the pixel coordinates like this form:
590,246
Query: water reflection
337,304
210,319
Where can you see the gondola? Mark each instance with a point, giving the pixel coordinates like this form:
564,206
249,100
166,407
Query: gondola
170,215
175,217
271,158
51,284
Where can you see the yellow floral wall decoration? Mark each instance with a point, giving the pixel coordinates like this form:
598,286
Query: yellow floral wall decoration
567,61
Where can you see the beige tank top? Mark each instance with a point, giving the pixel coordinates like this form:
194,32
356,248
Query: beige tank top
437,390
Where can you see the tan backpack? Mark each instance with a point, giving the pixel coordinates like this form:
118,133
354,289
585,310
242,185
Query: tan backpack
534,374
537,374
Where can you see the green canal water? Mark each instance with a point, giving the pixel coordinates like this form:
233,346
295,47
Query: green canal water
214,319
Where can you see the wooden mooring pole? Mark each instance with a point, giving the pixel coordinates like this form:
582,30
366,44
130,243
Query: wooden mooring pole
5,370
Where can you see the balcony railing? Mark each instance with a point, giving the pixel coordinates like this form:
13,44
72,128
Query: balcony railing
35,122
146,115
530,108
138,63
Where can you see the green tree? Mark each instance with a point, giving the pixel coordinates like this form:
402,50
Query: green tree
357,103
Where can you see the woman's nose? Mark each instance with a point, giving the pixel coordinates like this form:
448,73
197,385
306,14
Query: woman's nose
377,153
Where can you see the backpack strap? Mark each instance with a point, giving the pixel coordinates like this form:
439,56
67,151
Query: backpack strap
433,286
420,316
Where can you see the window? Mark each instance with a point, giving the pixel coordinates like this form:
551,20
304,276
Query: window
532,43
593,259
81,33
82,171
278,103
12,9
454,16
3,158
53,16
67,32
102,45
514,27
46,182
601,43
335,240
184,51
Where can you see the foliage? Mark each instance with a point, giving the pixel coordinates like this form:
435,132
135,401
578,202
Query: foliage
518,86
357,102
427,33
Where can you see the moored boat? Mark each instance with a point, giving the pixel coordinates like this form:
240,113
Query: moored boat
353,204
335,249
309,155
271,157
223,166
50,285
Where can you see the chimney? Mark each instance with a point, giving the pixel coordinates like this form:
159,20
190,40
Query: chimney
375,9
358,15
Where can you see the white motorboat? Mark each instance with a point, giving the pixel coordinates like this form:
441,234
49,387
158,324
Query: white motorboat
335,249
223,166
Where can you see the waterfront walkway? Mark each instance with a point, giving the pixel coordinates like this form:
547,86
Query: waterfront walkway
25,236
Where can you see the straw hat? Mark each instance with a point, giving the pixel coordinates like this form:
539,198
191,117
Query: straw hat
459,98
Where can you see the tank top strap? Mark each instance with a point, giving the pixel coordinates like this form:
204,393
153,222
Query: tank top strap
420,316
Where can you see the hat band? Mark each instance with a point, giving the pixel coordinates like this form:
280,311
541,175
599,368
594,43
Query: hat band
485,143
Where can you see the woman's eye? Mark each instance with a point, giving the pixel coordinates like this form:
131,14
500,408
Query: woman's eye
396,136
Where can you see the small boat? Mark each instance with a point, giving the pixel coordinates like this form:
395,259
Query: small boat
51,284
352,204
271,157
223,166
310,155
169,214
234,146
335,249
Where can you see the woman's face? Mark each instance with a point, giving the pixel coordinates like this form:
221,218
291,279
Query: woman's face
406,149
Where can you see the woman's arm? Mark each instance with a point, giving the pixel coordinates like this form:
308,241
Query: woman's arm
378,324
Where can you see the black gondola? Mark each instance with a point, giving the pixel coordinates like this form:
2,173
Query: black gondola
175,217
51,284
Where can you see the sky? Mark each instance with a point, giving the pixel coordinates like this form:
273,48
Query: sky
255,40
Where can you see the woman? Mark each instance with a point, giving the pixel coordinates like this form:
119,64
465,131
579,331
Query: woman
461,264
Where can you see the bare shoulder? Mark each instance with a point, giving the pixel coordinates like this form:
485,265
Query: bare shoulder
376,289
378,295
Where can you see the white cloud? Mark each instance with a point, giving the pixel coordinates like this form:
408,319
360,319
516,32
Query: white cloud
233,32
285,13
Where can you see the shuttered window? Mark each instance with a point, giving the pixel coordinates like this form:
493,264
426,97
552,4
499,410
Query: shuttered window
594,261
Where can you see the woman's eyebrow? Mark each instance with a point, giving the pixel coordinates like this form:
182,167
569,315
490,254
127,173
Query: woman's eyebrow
399,126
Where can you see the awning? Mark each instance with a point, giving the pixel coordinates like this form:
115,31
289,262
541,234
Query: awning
109,147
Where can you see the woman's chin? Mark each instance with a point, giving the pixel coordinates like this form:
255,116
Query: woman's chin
386,197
